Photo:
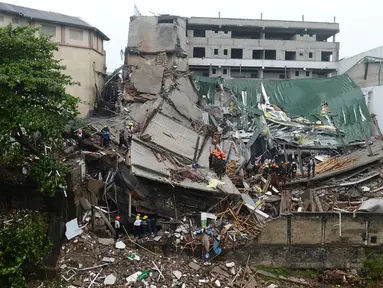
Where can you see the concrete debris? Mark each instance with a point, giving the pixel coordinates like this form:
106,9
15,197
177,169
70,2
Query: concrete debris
147,79
106,241
217,283
110,280
108,259
72,229
230,265
195,266
177,274
120,245
133,278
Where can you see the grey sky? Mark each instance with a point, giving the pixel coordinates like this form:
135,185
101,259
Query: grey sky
360,27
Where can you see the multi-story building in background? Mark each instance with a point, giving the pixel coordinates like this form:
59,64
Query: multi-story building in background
223,47
81,48
265,49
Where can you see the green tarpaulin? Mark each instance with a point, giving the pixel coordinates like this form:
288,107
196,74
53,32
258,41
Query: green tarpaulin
303,97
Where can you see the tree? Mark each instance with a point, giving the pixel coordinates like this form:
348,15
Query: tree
33,102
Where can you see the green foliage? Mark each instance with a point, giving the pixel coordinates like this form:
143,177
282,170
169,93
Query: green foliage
373,267
55,176
33,97
23,241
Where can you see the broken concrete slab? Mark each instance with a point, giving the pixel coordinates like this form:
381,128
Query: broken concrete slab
72,229
108,259
120,245
85,204
177,274
220,271
95,186
195,266
78,283
106,241
148,79
110,280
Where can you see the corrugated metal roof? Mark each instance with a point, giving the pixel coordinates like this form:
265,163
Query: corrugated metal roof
303,97
53,17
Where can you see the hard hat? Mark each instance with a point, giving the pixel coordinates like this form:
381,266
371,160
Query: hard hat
118,218
145,217
130,124
138,214
105,126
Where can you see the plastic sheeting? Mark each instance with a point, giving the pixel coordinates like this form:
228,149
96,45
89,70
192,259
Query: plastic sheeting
303,97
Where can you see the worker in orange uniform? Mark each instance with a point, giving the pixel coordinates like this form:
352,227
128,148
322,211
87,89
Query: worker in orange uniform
117,226
212,159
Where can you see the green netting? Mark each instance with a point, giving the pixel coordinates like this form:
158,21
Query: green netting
303,97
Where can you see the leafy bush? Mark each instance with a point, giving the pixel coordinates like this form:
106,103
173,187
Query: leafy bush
23,241
373,267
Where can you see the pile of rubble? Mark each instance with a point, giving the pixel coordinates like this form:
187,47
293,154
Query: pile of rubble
92,262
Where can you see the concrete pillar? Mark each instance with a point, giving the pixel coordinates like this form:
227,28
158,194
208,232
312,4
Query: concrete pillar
260,73
262,35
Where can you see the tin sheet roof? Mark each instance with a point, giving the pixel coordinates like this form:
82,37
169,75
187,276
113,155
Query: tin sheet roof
47,16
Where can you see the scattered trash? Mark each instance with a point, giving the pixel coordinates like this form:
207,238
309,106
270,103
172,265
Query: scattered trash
120,245
133,278
177,274
134,257
106,241
72,229
108,260
110,280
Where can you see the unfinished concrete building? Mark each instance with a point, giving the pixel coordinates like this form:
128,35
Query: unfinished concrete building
230,48
264,49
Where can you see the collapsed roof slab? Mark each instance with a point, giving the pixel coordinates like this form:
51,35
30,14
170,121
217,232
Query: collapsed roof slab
148,79
362,159
146,165
173,136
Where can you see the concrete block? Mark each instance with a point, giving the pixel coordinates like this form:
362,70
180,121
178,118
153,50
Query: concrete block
148,79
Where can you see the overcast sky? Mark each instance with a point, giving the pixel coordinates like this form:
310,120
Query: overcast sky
360,28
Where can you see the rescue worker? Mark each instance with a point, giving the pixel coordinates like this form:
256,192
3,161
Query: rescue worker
105,136
288,172
130,133
256,168
313,166
137,226
117,227
79,138
211,159
266,171
122,140
153,226
293,170
220,166
309,165
205,246
144,225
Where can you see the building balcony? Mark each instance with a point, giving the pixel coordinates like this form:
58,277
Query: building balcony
320,65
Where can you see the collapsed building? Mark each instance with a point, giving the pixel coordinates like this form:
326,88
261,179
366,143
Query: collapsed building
179,117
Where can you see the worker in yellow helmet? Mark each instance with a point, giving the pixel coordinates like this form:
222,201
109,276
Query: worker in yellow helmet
130,132
144,225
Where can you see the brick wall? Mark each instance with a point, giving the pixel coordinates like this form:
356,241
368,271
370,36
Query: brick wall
323,229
